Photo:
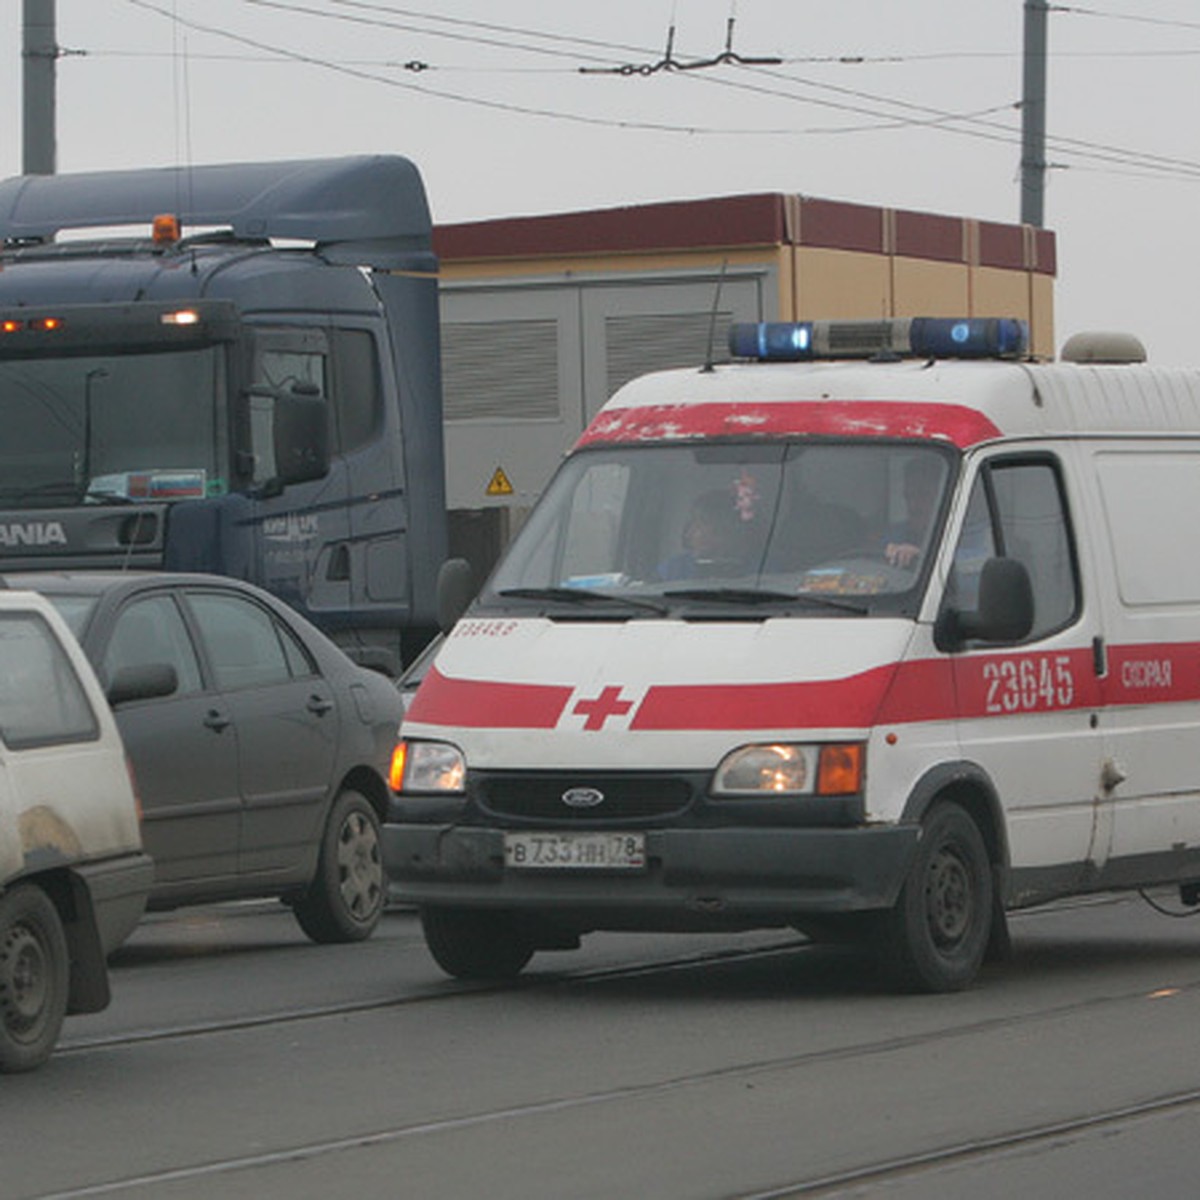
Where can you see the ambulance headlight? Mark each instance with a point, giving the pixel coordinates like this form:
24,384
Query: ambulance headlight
436,767
785,769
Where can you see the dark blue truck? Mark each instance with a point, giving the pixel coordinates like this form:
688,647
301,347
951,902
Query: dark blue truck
235,371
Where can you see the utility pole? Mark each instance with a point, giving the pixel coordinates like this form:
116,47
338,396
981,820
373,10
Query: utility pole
40,58
1033,115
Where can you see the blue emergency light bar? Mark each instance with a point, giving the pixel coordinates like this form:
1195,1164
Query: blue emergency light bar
905,337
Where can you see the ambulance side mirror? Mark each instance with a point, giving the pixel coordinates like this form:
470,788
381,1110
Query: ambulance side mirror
455,590
1003,613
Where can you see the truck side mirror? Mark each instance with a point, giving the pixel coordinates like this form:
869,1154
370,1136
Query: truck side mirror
1003,612
455,590
300,433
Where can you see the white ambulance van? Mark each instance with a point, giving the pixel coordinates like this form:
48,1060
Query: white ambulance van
877,642
73,877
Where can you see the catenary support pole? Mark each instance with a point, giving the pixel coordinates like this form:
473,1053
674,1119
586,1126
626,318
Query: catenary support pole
1033,115
39,59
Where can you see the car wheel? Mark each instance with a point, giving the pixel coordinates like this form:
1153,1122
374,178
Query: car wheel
345,899
935,937
476,945
34,978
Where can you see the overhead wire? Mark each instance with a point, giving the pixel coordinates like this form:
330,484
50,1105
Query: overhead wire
1136,18
441,93
850,100
559,51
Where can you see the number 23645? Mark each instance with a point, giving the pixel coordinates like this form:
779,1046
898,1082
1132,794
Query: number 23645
1028,684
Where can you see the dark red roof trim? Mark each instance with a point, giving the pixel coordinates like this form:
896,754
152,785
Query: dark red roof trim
767,219
927,235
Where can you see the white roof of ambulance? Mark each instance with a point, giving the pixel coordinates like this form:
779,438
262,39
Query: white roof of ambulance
1015,399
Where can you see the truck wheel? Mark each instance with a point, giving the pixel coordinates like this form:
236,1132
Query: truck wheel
935,938
34,978
476,945
345,899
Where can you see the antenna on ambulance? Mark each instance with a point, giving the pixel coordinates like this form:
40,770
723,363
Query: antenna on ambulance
712,320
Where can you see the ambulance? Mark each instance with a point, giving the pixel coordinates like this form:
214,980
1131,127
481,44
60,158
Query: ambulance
878,631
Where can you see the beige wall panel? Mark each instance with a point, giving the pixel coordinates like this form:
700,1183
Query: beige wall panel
598,264
1041,322
833,284
1000,293
930,289
1028,295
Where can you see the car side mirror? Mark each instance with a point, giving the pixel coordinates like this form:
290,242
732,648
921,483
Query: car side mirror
143,682
1003,611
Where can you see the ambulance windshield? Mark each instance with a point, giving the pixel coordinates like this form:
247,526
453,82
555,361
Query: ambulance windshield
812,526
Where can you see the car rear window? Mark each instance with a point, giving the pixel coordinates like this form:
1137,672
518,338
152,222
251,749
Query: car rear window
42,701
75,610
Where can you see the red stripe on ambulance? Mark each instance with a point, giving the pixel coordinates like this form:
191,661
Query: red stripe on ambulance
477,704
1011,683
953,423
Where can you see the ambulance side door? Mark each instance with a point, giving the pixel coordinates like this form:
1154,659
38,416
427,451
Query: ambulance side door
1028,712
1147,500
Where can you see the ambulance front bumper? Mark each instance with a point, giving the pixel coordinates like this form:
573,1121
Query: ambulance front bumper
739,875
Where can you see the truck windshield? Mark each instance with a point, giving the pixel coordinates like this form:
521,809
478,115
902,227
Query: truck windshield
806,527
113,427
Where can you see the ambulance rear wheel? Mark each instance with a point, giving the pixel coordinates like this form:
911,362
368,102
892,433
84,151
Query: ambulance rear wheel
34,978
469,944
935,938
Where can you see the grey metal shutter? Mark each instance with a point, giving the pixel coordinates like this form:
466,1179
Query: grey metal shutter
500,369
646,342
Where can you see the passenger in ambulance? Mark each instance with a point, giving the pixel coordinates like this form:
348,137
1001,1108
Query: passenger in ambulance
905,540
714,540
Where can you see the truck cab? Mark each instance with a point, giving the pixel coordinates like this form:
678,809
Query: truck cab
234,370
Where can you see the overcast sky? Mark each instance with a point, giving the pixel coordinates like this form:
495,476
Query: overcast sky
526,106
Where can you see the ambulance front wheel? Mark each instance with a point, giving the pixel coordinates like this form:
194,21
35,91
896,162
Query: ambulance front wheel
935,938
471,944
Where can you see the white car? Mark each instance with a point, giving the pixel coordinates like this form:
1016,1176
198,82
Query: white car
73,876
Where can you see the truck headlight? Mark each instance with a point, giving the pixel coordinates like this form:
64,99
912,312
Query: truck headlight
783,769
427,767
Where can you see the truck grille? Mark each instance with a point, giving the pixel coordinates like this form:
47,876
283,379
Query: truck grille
626,797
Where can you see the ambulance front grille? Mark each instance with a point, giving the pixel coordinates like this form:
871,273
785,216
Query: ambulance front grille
571,799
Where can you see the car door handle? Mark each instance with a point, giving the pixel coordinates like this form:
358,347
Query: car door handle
215,720
319,705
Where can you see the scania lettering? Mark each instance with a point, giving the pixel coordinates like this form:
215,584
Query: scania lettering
879,632
237,372
40,533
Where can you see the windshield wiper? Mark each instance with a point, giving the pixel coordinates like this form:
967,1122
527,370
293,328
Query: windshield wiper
571,595
93,497
729,595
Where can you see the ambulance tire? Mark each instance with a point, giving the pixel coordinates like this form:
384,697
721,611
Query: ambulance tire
935,938
470,944
35,977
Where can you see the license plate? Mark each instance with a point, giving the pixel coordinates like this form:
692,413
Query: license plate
575,851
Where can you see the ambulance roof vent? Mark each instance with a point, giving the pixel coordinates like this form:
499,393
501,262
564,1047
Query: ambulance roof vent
1103,348
898,337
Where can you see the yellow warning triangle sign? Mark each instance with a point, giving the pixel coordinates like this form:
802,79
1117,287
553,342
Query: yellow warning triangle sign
499,484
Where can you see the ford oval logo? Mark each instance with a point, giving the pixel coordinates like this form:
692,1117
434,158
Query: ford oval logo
582,797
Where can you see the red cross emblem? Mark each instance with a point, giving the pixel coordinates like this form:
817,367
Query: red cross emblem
607,704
